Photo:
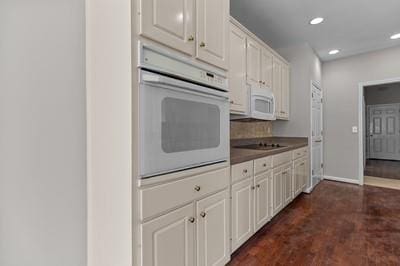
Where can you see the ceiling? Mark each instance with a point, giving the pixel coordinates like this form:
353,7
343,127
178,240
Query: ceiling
352,26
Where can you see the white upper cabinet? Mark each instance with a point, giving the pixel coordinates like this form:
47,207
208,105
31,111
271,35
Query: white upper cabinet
213,31
266,69
237,70
277,85
253,62
285,97
169,22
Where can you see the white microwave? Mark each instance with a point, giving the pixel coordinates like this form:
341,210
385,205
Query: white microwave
261,105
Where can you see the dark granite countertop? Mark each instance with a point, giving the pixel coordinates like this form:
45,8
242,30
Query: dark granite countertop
239,155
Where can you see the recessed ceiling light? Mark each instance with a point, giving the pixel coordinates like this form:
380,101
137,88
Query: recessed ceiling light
395,36
332,52
316,21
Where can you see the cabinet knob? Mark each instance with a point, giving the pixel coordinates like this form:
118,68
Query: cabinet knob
197,188
302,164
260,82
202,44
191,219
203,214
253,187
245,171
258,185
264,82
265,165
191,38
232,102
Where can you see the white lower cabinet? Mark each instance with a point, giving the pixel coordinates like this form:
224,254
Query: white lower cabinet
193,232
169,239
277,183
287,184
300,174
262,199
213,230
242,212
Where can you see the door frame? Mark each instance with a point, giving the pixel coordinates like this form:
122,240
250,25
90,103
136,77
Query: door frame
316,84
361,122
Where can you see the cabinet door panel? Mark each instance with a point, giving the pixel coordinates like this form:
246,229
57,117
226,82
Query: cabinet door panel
169,240
213,230
285,95
261,200
237,70
213,31
277,191
266,68
298,168
253,62
287,186
277,86
169,22
242,206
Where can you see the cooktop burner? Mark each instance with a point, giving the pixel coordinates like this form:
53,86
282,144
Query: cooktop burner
261,146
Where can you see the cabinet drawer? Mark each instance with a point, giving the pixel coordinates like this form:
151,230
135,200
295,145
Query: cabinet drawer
241,171
281,158
163,197
300,153
262,165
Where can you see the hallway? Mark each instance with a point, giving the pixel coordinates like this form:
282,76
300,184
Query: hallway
383,168
338,224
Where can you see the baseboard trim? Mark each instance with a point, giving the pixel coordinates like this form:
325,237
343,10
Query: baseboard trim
342,179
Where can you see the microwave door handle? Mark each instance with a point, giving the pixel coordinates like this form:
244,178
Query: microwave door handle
183,86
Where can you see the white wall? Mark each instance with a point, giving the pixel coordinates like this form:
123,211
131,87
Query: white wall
42,133
340,81
304,67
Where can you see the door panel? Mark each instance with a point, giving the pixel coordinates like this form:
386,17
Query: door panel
384,135
213,230
285,95
169,240
287,184
277,85
242,206
213,31
277,188
253,63
237,70
261,202
174,28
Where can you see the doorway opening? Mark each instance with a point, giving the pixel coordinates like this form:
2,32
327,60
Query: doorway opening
380,133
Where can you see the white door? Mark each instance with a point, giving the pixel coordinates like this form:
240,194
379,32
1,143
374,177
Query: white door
262,200
277,86
169,22
253,63
277,181
213,230
285,92
287,184
169,240
384,131
213,31
242,212
316,136
237,71
266,68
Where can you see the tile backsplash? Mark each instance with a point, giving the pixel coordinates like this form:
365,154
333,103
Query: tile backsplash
250,129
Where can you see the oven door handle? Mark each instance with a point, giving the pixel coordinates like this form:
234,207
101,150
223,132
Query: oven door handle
183,86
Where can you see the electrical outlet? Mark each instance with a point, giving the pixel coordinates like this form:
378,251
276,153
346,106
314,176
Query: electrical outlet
354,129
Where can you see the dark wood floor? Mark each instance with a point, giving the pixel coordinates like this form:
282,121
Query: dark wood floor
338,224
383,168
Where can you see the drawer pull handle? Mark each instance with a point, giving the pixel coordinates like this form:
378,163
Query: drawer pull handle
245,171
197,188
203,214
253,187
265,165
191,38
202,44
191,219
258,185
302,164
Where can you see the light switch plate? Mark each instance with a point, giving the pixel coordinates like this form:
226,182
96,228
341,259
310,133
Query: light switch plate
354,129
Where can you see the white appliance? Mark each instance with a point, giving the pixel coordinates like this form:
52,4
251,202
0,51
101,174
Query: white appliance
184,114
261,105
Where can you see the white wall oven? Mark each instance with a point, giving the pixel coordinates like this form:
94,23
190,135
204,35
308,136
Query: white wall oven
184,114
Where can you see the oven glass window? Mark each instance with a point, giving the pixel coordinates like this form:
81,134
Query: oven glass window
263,106
189,125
